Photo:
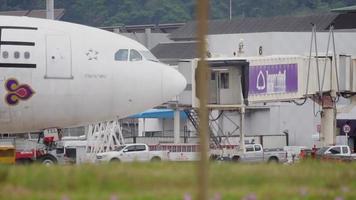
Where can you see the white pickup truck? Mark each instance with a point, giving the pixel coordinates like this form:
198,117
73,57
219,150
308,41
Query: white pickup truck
341,152
255,153
132,152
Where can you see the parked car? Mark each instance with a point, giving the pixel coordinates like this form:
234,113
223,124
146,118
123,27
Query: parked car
132,152
336,152
255,153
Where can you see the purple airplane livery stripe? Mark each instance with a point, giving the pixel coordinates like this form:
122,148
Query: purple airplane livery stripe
273,79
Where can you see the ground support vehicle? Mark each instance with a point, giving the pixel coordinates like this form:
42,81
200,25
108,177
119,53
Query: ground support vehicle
295,153
7,153
254,153
132,152
190,152
337,152
75,151
28,151
46,149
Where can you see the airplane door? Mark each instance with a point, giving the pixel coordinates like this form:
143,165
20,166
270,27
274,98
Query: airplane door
58,57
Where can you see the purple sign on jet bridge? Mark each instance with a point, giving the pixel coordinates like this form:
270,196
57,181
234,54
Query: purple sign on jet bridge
273,79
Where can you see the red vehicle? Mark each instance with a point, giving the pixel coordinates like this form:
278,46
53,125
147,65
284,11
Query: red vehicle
46,149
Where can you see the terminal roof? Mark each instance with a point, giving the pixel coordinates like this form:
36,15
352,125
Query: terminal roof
269,24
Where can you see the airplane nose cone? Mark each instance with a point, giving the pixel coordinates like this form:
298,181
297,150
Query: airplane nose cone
173,83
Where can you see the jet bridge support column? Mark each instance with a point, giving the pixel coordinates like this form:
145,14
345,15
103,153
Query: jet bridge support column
328,126
176,126
242,127
328,120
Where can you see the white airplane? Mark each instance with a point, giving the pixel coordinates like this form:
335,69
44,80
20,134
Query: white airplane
59,74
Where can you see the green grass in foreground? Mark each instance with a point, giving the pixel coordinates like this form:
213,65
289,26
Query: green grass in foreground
133,181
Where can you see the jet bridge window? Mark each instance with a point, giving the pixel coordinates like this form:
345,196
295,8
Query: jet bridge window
135,55
122,55
224,80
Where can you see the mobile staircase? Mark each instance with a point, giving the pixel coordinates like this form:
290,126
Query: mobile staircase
103,137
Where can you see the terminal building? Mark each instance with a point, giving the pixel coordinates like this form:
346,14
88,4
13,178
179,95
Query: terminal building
284,35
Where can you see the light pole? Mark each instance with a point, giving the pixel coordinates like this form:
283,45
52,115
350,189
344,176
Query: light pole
50,9
230,10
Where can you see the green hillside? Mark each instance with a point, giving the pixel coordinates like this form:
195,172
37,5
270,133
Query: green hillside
116,12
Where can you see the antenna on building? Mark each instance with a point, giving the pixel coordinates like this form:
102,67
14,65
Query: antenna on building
241,47
230,10
50,9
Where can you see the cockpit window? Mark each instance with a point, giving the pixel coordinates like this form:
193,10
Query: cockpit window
122,55
135,55
149,56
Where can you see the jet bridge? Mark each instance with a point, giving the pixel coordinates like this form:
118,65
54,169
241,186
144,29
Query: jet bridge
236,83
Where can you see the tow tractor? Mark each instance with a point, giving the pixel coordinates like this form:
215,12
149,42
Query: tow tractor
46,149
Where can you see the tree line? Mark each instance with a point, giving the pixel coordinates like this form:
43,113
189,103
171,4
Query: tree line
118,12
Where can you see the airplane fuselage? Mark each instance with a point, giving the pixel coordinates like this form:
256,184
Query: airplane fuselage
58,74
